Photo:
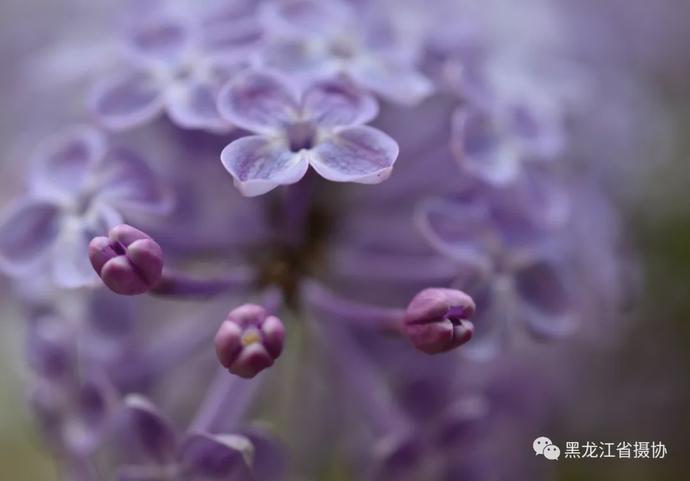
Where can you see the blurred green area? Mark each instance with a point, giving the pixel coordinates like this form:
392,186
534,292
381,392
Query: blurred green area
22,457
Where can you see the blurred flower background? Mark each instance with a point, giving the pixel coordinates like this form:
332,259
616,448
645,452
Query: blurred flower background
310,169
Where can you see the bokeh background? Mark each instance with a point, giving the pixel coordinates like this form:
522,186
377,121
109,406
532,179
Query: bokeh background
633,383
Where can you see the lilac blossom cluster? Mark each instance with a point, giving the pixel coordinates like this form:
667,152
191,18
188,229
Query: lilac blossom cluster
409,202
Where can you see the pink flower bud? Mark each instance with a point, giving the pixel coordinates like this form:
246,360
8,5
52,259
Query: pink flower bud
128,261
436,320
249,340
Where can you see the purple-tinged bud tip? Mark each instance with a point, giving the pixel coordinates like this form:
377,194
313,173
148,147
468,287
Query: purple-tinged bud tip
249,340
128,261
436,320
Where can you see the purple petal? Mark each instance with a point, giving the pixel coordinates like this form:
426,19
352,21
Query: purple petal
62,163
127,100
192,105
458,230
71,267
225,457
545,294
400,84
259,164
163,40
28,232
310,18
125,182
259,101
482,148
338,103
269,460
357,154
150,430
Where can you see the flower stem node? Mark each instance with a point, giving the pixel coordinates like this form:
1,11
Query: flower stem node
436,320
249,340
128,261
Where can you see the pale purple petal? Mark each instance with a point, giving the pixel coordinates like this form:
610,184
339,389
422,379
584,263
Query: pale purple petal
221,458
125,182
338,103
399,84
357,154
306,18
193,105
259,101
161,41
259,164
127,100
482,148
70,265
545,295
151,432
28,232
62,163
458,230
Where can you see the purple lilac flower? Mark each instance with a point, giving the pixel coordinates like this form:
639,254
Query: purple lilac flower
321,39
516,277
78,186
322,126
174,64
492,224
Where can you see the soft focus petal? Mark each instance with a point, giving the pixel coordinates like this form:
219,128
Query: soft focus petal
71,266
356,154
222,458
400,84
28,232
130,99
259,101
163,40
338,103
62,163
193,106
125,182
459,230
482,148
259,164
150,430
269,460
546,301
305,18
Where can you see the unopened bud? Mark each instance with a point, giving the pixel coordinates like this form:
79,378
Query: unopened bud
128,261
436,320
249,340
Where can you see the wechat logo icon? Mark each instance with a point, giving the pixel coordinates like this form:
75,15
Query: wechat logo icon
544,447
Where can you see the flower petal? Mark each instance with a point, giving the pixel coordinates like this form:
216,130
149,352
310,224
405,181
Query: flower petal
545,297
61,163
357,154
338,103
225,457
127,100
482,148
269,461
125,182
28,231
192,105
457,229
259,101
151,431
259,164
398,83
161,41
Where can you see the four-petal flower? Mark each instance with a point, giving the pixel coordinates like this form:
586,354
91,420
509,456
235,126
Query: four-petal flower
321,127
